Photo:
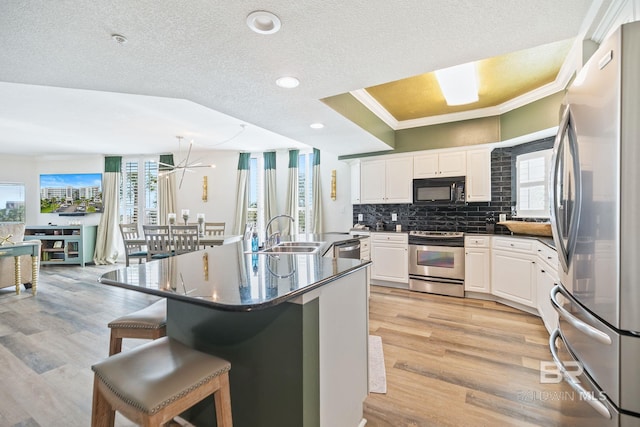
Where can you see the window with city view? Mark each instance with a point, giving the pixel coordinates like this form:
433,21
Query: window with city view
12,201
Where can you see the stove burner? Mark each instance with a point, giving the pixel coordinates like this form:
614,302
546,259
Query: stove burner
436,234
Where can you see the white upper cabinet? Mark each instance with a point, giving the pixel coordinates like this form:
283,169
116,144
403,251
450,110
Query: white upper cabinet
386,181
355,183
478,176
399,185
372,181
452,163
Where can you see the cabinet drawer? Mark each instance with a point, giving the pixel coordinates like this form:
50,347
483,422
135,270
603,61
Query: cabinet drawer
514,244
547,254
476,241
400,238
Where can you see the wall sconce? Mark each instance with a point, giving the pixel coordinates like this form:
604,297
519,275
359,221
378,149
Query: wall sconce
333,184
205,189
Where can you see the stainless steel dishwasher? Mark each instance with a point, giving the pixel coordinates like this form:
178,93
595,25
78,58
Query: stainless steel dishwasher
347,249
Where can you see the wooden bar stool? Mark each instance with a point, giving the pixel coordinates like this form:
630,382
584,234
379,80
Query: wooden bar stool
148,323
155,382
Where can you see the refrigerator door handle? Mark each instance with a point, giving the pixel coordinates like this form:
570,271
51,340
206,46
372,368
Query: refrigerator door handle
583,327
565,250
584,394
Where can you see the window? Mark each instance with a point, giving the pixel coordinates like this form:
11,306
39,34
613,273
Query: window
305,186
255,210
532,186
139,191
12,198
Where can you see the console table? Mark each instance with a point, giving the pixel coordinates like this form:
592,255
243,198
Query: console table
23,248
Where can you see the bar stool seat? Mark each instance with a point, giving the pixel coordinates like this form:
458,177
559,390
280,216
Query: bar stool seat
155,382
147,323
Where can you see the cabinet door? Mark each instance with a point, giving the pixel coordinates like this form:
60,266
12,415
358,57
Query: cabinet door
452,164
513,277
477,265
355,183
372,181
425,166
390,262
479,176
398,184
546,278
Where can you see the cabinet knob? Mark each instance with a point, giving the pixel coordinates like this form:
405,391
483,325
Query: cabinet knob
548,257
510,244
541,271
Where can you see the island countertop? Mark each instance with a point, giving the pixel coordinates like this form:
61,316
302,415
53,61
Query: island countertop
230,278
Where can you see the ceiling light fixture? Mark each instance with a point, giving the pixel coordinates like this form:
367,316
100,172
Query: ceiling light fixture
184,165
263,22
316,125
288,82
459,84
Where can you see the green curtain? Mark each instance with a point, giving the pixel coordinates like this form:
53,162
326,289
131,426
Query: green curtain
292,191
316,195
242,191
166,188
270,197
106,251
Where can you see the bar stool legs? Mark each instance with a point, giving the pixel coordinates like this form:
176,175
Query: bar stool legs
157,381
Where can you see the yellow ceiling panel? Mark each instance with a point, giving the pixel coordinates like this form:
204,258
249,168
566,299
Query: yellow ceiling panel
500,79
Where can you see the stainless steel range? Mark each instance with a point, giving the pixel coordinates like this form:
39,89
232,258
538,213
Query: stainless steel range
436,262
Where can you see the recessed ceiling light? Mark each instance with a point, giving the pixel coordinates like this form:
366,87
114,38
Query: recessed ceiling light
288,82
316,125
263,22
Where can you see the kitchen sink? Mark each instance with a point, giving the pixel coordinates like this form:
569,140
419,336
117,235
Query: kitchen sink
290,250
293,248
294,244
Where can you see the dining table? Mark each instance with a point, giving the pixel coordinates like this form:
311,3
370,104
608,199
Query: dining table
206,241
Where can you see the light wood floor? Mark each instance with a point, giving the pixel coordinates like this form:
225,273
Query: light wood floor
462,362
449,361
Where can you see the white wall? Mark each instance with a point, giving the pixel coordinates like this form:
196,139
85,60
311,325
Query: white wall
222,188
27,170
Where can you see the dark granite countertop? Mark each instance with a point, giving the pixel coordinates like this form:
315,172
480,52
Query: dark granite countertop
228,278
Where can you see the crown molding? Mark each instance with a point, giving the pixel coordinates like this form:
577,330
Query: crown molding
614,17
375,107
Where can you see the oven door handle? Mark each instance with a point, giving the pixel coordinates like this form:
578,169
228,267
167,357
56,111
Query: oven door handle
583,327
584,394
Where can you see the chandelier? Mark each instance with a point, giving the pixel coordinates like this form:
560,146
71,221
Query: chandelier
185,165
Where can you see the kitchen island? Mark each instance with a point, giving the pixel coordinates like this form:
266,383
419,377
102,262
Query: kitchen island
294,327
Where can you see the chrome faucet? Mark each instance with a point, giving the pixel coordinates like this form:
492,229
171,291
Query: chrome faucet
268,238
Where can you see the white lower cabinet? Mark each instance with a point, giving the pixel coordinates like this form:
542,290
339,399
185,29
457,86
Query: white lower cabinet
546,279
390,257
477,264
513,272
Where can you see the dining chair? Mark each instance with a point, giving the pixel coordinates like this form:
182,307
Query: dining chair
158,240
185,238
131,239
214,228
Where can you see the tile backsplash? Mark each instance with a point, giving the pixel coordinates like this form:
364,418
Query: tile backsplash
468,218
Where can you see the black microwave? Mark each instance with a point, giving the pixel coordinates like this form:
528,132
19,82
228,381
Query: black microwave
439,190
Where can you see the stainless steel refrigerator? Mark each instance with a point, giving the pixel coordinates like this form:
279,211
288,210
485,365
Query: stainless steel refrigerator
595,216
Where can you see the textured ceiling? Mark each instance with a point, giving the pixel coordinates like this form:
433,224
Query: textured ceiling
186,57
